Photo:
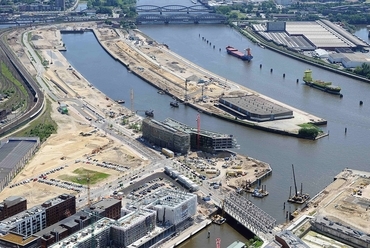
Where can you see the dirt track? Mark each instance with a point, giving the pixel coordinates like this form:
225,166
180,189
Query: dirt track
67,146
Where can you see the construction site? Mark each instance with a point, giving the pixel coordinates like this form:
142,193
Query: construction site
83,147
337,216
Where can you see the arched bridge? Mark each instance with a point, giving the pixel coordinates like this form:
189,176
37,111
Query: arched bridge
172,8
181,18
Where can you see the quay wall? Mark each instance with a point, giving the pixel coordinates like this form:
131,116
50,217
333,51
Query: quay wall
292,55
128,67
194,106
190,234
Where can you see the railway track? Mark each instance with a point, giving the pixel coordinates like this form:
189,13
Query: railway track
35,100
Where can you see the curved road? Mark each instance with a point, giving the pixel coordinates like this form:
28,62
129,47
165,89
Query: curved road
34,107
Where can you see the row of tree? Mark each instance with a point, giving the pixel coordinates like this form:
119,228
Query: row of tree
128,7
352,13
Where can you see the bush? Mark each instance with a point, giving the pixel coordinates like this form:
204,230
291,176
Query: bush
309,131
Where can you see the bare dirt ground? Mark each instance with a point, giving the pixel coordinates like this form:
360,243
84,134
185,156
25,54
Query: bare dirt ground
67,146
346,200
144,56
174,74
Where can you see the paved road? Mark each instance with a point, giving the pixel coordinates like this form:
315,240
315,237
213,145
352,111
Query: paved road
34,107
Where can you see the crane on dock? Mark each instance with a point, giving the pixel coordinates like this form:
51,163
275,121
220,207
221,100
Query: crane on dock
198,131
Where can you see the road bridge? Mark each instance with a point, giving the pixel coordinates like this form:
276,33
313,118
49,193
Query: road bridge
181,18
249,215
172,8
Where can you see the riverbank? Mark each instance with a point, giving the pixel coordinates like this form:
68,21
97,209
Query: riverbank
257,39
188,83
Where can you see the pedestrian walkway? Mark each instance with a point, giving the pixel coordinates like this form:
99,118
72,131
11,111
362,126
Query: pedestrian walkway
187,233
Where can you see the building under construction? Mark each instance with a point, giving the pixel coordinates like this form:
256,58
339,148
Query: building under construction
179,137
203,140
164,136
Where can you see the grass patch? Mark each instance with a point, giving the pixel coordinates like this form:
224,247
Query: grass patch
5,71
42,127
82,176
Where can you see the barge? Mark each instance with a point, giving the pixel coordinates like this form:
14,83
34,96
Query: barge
298,197
321,85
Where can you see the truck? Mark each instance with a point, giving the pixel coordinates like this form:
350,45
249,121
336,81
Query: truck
168,152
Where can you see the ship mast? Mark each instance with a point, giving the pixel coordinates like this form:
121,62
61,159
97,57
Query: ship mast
295,184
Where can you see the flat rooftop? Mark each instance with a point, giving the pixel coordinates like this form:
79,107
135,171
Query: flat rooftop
12,151
18,239
83,235
312,35
187,129
256,105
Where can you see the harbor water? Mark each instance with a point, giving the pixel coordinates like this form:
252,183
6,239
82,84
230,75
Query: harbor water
316,162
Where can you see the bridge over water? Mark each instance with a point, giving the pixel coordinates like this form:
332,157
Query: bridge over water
249,215
181,18
172,8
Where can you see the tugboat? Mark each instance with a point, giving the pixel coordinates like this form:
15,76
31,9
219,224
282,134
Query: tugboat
298,197
260,193
149,113
174,104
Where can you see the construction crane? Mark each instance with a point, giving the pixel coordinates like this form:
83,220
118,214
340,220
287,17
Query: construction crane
92,221
88,190
198,129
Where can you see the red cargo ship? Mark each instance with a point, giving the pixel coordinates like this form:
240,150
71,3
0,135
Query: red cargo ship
236,53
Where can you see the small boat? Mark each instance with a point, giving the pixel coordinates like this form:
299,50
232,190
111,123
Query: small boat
260,45
218,219
120,101
149,113
259,193
174,104
161,92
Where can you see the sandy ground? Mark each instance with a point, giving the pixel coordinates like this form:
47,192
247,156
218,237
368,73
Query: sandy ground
174,74
67,146
341,201
144,56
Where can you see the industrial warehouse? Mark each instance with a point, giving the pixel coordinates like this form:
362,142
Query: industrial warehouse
14,154
323,38
255,108
180,138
